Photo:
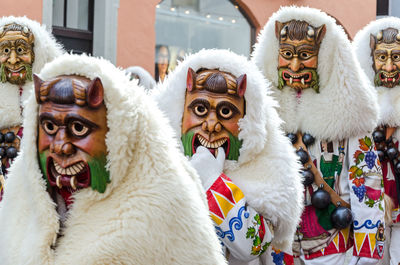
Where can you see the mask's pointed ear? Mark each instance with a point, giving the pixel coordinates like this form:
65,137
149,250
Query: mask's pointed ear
38,83
241,84
191,80
95,93
320,33
278,28
372,42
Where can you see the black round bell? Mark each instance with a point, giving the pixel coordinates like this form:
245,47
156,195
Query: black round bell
391,153
303,155
381,154
378,136
11,152
341,217
308,139
292,137
1,137
320,199
397,167
308,177
2,151
9,137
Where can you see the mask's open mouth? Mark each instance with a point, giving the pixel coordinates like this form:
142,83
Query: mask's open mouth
199,140
389,79
72,177
304,77
19,72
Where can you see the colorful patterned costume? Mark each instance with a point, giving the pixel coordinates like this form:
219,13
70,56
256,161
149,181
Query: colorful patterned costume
340,113
389,104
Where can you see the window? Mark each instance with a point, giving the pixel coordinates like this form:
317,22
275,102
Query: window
73,24
186,26
382,7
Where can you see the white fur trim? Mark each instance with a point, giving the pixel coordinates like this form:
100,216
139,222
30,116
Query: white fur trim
46,49
152,212
267,171
145,78
346,105
389,98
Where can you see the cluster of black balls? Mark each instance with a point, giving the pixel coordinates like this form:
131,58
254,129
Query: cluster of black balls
7,151
341,217
386,149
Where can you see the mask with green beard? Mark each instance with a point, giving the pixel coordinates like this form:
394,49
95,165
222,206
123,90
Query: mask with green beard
99,175
314,83
17,80
233,145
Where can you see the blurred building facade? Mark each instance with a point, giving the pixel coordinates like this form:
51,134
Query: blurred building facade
151,33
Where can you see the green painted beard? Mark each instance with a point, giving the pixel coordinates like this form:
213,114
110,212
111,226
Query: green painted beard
378,80
235,145
99,175
314,84
28,76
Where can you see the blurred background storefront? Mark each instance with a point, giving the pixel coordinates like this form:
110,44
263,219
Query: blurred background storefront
156,34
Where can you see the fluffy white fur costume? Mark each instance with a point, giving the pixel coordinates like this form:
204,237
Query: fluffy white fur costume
46,49
266,171
152,212
389,98
345,106
145,78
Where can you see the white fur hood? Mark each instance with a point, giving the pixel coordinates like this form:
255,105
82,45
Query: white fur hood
46,49
388,98
152,212
346,104
267,170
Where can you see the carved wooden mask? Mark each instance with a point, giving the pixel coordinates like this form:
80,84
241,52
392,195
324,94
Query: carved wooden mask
72,129
214,104
298,54
385,50
16,54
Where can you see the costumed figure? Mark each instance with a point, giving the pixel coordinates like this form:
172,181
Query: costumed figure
144,78
377,47
229,128
99,179
25,47
329,112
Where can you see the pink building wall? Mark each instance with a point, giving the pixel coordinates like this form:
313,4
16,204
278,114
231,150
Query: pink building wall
29,8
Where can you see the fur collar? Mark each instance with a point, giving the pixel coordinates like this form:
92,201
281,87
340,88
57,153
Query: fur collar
267,170
346,104
152,212
389,98
46,49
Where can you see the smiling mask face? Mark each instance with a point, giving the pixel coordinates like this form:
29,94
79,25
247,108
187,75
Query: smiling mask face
214,103
298,54
16,54
385,50
72,129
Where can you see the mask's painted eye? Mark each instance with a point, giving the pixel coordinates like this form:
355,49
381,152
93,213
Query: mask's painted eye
49,127
305,55
200,110
382,57
20,50
396,57
225,112
79,129
6,50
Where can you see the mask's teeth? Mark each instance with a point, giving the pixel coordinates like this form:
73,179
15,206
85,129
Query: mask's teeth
9,75
386,79
20,75
302,80
291,80
73,182
58,182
